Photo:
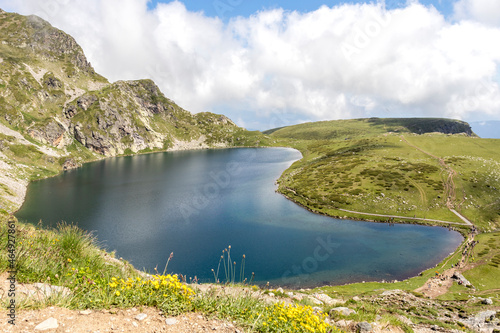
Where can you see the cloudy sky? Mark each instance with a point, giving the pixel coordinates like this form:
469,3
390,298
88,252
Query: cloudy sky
273,63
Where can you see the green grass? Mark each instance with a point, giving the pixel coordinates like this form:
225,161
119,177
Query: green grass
356,128
357,165
486,254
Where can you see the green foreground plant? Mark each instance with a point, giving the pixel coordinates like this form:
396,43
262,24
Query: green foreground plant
230,269
71,258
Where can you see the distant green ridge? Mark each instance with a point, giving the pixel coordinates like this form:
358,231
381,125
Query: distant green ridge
338,129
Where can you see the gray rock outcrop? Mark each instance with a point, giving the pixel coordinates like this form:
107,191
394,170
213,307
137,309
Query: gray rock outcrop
461,279
341,310
485,321
364,327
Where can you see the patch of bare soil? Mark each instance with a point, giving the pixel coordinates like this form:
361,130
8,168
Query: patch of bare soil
147,320
437,285
440,284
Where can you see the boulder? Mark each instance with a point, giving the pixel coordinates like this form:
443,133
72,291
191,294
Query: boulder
341,310
487,301
364,327
314,300
327,299
461,279
483,321
69,164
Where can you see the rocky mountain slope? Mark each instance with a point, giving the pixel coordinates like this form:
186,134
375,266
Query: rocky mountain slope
57,112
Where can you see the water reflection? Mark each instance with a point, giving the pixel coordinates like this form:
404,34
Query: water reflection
197,203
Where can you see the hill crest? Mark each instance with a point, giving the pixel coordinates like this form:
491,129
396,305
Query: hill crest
338,129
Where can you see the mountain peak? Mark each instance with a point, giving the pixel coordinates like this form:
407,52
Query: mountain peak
32,33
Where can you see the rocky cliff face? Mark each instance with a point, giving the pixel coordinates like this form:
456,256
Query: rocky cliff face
51,93
134,116
46,41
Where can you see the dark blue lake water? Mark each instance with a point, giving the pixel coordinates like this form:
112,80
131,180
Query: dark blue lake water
197,203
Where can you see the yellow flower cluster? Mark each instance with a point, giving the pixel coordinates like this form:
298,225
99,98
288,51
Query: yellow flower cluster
290,318
168,282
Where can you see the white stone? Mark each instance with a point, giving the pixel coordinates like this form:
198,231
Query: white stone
171,321
86,312
48,324
327,299
487,301
141,316
343,310
314,300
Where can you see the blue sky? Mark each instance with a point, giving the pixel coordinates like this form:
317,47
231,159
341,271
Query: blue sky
267,64
230,8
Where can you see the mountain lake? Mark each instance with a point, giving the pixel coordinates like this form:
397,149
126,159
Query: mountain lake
198,203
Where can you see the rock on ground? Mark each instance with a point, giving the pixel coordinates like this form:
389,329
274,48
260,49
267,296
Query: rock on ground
48,324
364,327
342,310
115,320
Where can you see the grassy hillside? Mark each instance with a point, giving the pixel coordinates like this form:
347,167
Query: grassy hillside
357,128
380,166
411,169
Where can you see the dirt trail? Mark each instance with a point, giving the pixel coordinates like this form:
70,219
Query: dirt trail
440,283
398,217
449,183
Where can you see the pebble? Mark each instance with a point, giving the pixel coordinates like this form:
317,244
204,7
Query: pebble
141,316
48,324
171,321
85,312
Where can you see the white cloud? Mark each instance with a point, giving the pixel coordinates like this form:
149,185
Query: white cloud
484,11
277,67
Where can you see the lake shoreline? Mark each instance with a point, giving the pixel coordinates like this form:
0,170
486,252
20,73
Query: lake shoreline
187,147
289,162
414,221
